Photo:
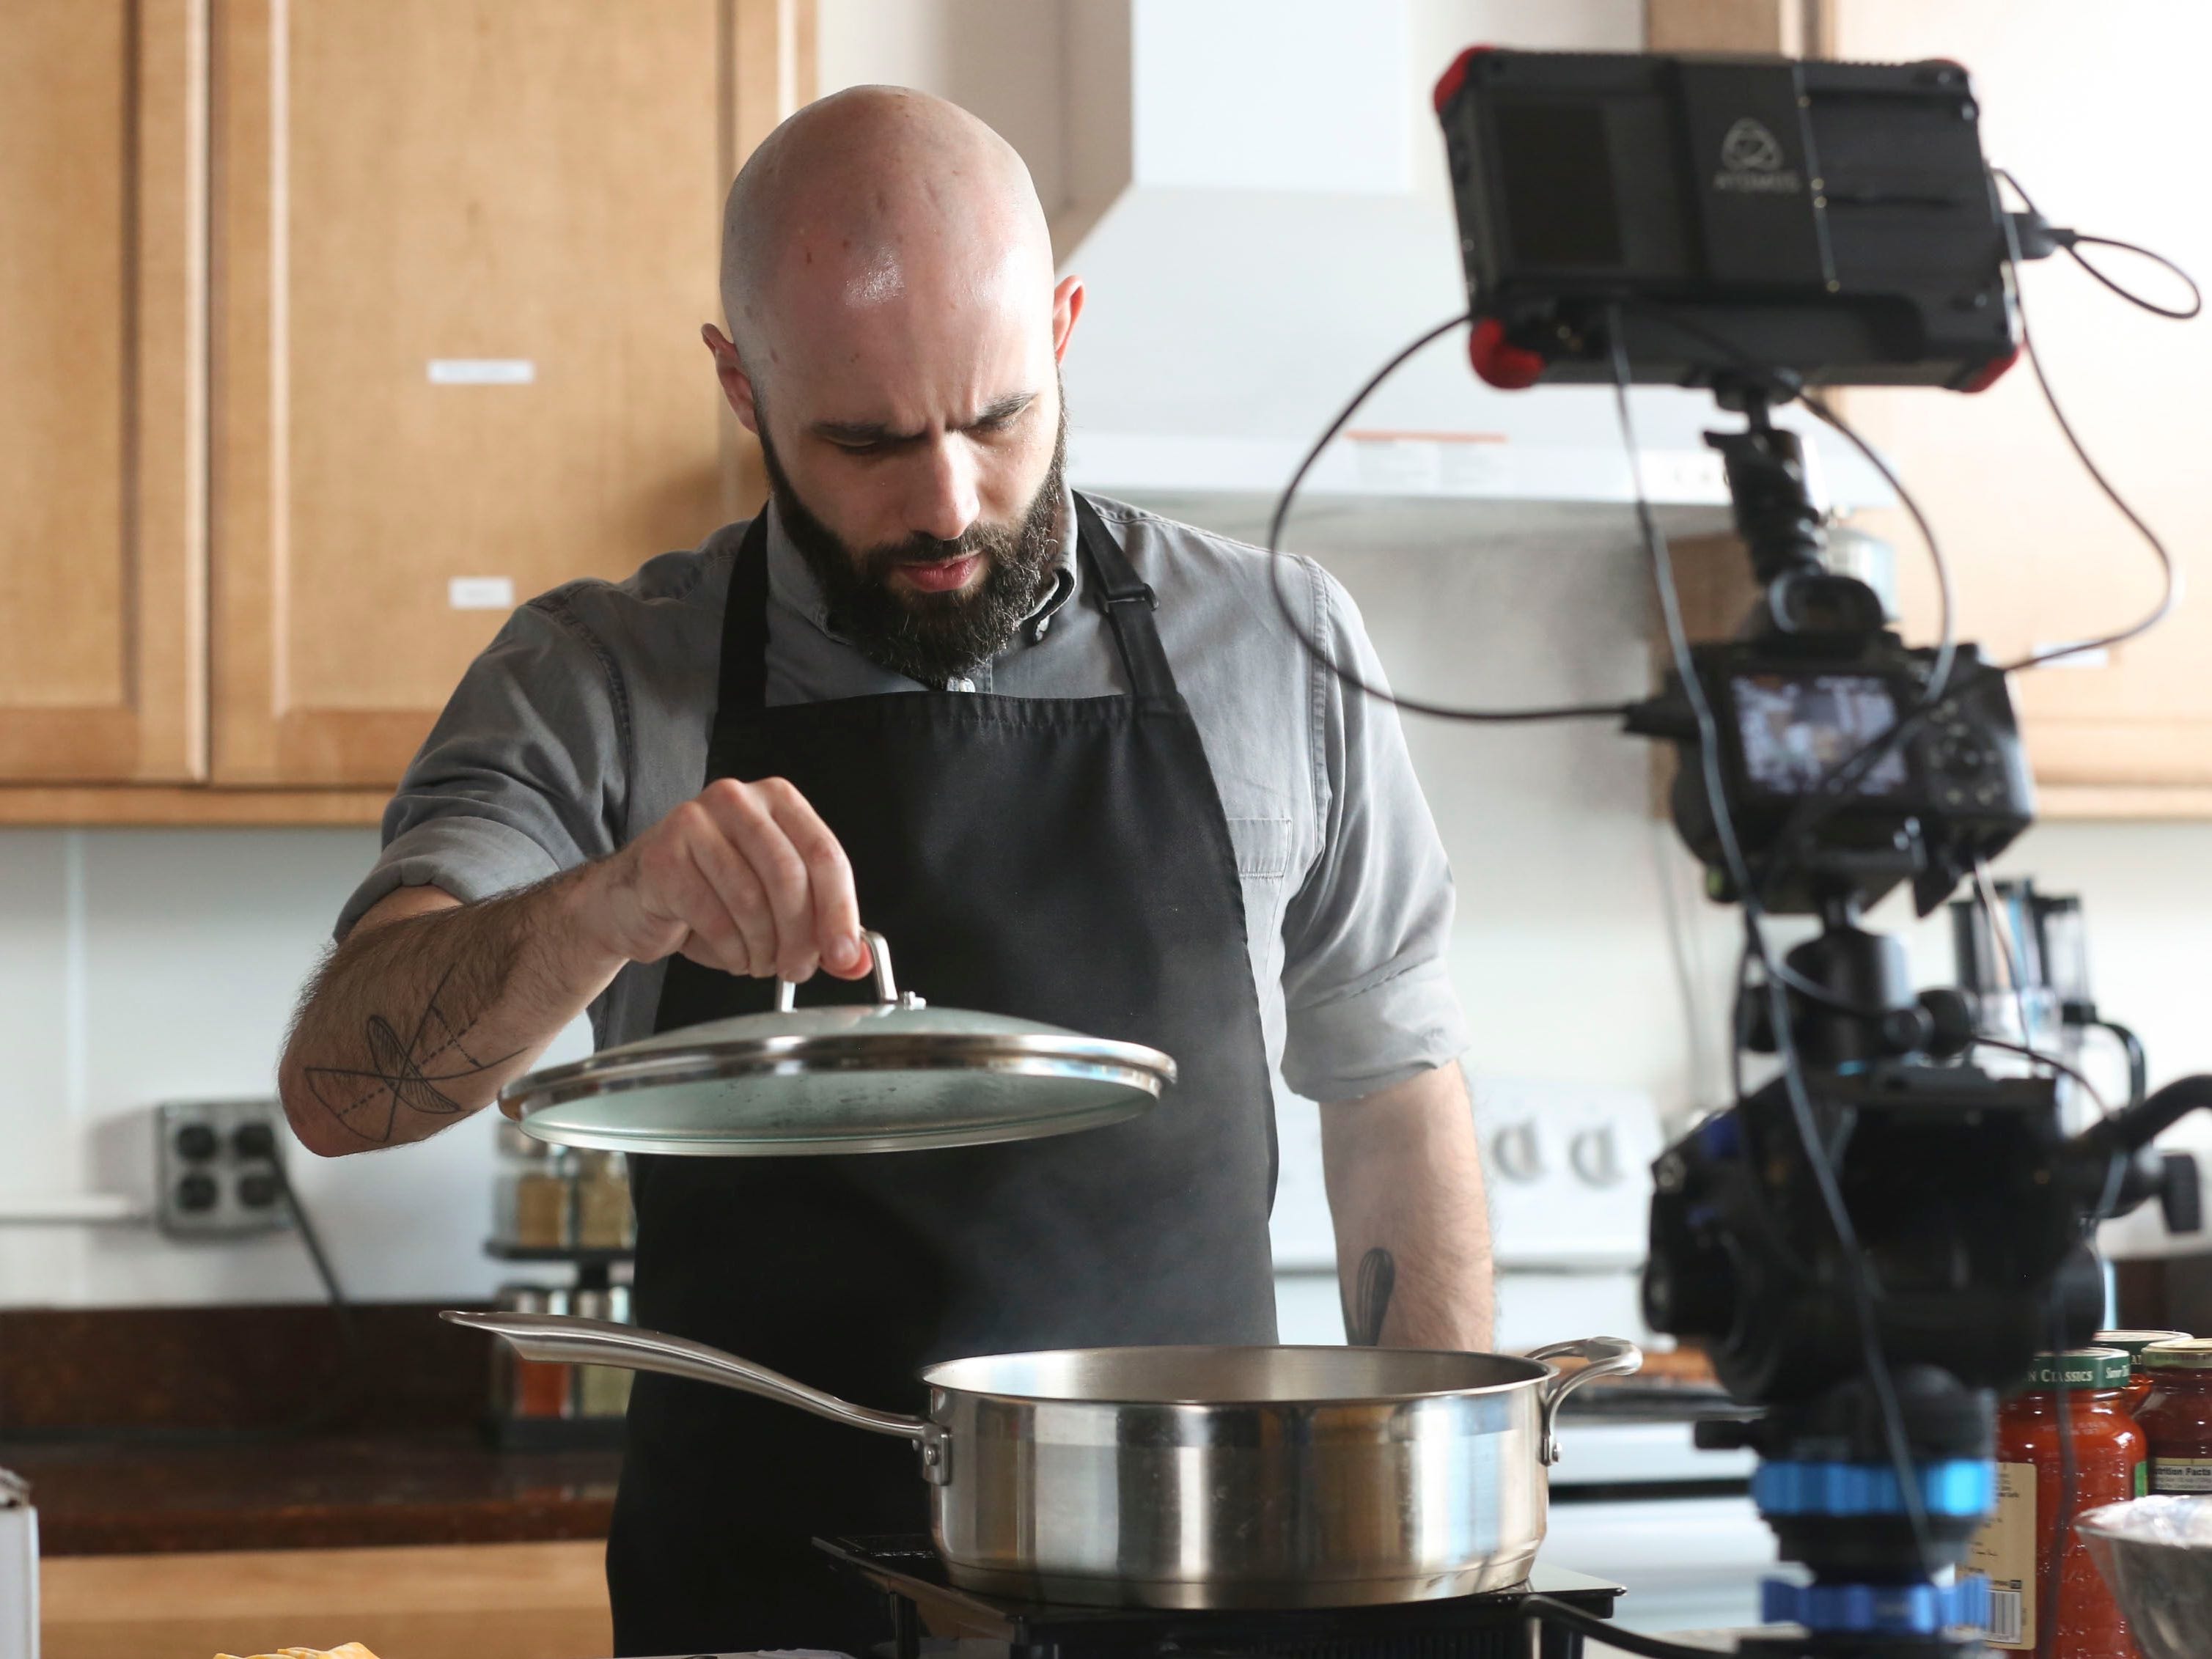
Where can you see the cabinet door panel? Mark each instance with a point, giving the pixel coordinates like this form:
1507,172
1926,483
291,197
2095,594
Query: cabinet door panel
102,566
466,247
2098,110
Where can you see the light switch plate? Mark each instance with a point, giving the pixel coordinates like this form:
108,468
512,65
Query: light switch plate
214,1168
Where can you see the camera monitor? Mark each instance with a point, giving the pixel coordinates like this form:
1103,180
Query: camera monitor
1834,222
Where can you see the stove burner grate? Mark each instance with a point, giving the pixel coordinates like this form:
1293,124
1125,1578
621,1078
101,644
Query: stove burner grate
1488,1626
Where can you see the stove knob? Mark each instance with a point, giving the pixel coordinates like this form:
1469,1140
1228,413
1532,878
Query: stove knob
1595,1155
1516,1153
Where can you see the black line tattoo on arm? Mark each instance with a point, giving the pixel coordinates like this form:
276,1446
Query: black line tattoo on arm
1370,1304
366,1099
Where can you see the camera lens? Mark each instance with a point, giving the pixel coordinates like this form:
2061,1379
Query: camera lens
196,1142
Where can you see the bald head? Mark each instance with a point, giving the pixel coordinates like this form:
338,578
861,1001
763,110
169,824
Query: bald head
897,340
869,203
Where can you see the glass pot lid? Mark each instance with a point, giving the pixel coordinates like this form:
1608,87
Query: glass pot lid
893,1076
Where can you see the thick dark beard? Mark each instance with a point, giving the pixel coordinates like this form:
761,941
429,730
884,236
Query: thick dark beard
934,638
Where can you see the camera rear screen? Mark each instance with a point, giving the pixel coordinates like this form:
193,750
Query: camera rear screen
1796,730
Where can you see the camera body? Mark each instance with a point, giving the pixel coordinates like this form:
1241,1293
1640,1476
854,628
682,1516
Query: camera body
1835,222
1789,710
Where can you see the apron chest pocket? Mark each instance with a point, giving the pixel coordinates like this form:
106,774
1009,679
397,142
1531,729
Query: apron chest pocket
1262,846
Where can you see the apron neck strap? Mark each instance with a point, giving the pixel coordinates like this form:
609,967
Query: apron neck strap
744,679
1127,602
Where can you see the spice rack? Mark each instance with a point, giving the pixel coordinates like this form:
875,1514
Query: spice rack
557,1206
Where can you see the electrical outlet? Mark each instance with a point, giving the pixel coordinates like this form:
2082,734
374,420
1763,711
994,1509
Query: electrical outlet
215,1165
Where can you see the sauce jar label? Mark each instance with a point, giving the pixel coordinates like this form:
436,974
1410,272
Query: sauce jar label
2180,1474
2004,1551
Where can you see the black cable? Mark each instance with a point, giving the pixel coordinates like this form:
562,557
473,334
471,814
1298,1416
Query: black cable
1829,794
353,1371
1783,386
1939,690
1795,1088
327,1411
1320,652
2177,313
341,1309
2027,1051
2172,586
1542,1609
2069,241
2138,1063
1947,631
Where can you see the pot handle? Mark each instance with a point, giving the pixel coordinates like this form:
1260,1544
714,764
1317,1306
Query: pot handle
1609,1356
568,1341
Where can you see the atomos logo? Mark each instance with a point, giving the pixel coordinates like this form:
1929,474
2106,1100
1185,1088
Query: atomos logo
1751,161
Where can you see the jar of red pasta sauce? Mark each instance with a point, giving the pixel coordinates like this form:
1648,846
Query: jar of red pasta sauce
2082,1389
2132,1343
2177,1419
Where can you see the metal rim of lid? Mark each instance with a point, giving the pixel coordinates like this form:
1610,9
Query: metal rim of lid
1133,1075
1138,1072
844,1051
2192,1353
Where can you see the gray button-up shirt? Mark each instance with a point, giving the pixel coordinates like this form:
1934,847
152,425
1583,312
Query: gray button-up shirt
584,722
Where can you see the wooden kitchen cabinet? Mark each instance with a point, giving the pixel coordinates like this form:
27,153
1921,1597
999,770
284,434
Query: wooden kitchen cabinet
464,250
2098,110
102,354
329,331
444,1601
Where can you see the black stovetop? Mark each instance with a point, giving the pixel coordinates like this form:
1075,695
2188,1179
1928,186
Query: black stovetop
926,1605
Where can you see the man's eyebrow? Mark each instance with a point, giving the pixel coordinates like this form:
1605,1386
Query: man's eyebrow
879,432
1005,408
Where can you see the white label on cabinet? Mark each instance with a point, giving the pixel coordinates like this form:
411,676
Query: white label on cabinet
482,371
481,593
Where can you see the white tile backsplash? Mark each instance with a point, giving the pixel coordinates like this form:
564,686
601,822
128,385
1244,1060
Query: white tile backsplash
139,966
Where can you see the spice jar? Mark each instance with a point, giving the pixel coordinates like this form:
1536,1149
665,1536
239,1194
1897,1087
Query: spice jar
531,1389
2015,1546
2177,1419
2132,1343
602,1390
604,1221
534,1204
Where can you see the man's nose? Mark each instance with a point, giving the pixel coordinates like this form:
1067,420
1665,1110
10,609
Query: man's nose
945,501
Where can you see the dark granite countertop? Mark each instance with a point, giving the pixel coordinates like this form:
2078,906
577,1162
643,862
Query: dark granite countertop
125,1495
147,1430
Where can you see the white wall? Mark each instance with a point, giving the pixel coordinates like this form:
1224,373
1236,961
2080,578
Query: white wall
140,966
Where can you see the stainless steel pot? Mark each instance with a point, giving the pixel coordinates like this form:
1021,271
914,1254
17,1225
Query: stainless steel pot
1196,1477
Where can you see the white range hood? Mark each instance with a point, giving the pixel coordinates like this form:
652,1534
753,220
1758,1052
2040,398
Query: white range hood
1256,198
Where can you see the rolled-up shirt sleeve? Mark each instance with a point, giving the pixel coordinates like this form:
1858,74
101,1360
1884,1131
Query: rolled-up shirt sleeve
522,776
1366,975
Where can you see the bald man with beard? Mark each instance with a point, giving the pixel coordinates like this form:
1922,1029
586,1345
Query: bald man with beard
1070,757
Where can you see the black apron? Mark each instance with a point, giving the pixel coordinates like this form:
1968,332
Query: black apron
1062,860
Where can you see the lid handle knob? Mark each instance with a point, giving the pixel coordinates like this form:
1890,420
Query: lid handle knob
888,994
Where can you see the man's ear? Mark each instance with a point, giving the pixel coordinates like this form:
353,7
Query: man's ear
1066,307
736,385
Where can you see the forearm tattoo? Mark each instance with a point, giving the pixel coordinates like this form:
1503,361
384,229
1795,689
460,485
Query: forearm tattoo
402,1071
1369,1303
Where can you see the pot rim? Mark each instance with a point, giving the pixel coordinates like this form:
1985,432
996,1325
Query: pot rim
1539,1372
